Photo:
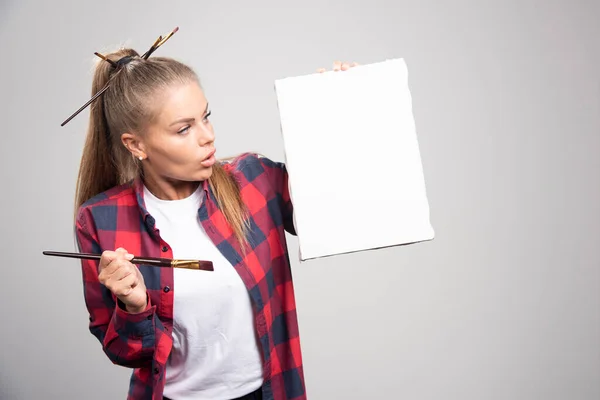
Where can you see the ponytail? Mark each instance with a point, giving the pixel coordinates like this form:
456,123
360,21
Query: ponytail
97,171
229,200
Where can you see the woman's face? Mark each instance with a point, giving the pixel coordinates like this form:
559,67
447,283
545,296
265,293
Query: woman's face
179,145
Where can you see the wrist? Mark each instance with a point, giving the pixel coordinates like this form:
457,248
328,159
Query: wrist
135,310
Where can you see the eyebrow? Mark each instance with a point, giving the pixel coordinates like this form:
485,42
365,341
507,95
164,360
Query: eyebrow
189,119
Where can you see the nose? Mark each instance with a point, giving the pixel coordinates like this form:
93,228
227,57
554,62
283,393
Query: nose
205,135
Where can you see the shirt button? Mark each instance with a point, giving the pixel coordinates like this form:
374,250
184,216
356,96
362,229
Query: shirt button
156,370
149,317
165,249
166,289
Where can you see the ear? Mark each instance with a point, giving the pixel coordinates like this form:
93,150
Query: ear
134,144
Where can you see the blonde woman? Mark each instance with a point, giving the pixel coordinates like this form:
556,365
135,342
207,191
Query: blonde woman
150,185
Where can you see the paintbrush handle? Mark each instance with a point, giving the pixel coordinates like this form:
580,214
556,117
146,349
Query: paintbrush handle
81,256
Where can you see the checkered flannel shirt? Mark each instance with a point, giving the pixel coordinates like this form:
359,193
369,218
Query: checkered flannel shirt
118,218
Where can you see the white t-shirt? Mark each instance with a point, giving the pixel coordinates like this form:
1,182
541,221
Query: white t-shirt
215,353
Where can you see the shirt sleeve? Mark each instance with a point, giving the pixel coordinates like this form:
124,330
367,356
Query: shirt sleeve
127,339
276,173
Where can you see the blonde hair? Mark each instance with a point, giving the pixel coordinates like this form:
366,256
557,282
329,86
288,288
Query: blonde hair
127,105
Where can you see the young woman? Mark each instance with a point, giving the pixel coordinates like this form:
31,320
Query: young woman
149,185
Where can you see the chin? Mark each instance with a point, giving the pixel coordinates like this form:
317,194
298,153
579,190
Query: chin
204,174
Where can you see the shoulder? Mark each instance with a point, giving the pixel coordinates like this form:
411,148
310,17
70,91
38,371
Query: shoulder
249,160
106,203
251,166
113,194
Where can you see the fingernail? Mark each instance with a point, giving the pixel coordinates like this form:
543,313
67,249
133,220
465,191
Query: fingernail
129,256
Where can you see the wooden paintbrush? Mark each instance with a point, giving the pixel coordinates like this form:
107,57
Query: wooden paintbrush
153,261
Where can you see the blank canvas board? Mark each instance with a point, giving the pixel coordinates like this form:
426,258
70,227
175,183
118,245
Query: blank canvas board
355,173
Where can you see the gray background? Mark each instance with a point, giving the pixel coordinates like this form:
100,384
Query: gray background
503,304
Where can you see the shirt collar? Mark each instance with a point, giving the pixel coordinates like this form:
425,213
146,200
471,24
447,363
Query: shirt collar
138,189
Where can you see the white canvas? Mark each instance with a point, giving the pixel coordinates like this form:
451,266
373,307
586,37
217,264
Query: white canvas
355,172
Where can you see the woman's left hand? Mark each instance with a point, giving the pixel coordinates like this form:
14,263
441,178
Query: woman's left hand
340,66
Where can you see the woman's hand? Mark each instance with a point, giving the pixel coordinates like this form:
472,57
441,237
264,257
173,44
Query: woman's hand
123,279
340,66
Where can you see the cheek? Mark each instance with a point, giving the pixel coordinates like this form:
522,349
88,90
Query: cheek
176,158
175,151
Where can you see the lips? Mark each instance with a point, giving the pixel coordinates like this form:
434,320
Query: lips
210,160
209,155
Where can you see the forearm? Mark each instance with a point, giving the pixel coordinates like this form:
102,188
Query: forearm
130,338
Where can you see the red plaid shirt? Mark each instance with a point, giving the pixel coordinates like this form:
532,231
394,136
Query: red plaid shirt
118,218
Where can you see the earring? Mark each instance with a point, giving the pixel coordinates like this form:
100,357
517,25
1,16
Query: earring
140,158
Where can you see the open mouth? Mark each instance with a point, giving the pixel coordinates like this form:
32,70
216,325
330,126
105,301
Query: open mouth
210,160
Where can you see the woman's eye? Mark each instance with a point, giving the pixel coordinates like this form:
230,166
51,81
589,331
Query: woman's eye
206,116
184,130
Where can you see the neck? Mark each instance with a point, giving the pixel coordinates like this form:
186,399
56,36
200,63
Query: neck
169,189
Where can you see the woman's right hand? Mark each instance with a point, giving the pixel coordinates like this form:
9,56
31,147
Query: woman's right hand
123,279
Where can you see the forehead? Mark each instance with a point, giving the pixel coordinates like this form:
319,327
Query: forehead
181,101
